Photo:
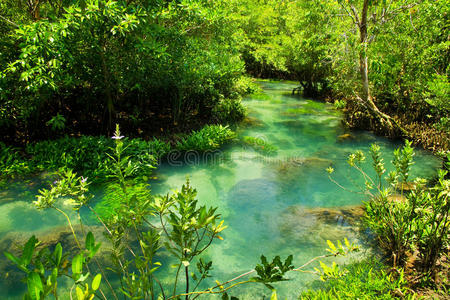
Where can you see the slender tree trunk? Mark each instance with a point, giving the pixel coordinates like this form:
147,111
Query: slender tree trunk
366,98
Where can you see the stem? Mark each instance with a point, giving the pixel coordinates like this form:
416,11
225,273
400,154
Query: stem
161,287
8,21
176,281
186,269
210,291
70,225
95,259
312,260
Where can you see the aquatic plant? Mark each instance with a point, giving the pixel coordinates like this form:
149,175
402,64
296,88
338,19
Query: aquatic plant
260,145
89,155
208,138
229,111
366,279
406,215
140,225
43,268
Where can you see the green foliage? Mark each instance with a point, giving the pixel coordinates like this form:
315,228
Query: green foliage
43,268
57,122
148,61
260,145
137,226
208,138
90,155
246,86
405,221
340,104
364,280
229,111
273,271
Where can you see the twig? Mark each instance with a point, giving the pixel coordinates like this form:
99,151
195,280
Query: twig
8,21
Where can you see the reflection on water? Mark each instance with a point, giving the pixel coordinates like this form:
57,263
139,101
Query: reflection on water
274,205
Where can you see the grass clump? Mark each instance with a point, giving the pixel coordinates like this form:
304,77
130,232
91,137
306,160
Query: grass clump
89,155
210,137
366,279
260,145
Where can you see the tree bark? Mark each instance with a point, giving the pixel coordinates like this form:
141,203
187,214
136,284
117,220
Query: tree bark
391,126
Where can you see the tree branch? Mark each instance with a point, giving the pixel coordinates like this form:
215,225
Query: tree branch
8,21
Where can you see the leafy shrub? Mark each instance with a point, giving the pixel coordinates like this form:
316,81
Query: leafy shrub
364,280
12,164
405,221
245,85
260,145
158,148
89,155
208,138
229,111
340,104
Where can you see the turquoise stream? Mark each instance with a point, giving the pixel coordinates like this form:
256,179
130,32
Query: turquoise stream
274,205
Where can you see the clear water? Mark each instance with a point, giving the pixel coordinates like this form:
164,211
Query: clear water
274,205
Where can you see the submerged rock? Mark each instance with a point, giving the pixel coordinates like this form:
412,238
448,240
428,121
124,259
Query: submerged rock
253,122
345,137
291,169
317,225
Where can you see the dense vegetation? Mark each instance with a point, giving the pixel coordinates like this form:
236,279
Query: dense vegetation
138,226
388,59
82,66
172,73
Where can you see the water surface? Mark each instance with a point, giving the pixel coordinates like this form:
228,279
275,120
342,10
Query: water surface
278,204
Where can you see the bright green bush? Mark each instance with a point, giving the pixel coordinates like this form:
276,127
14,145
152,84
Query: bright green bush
89,155
208,138
366,279
229,111
260,145
406,215
246,85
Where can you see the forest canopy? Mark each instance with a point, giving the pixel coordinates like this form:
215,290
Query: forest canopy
81,65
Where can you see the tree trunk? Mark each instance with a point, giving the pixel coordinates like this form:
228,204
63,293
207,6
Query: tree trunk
366,98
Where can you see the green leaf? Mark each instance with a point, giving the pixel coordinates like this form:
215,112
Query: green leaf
90,241
12,258
331,245
28,250
77,264
34,285
58,254
96,282
54,276
80,294
274,295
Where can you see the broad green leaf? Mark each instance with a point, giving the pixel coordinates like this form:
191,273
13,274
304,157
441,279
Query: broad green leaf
28,250
58,254
34,285
77,264
96,282
90,241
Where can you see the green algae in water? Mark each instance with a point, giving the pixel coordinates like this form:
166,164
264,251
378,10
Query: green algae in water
278,205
